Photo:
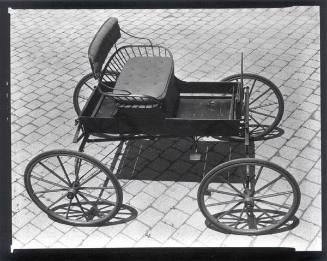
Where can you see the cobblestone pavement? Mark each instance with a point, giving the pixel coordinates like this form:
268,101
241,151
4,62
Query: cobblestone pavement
49,56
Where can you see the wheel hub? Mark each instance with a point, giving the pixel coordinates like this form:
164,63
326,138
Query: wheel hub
248,197
73,189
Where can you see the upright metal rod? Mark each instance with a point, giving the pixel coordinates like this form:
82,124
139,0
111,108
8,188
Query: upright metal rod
246,121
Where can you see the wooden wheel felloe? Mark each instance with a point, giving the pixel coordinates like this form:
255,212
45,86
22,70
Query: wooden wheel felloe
248,196
73,188
266,104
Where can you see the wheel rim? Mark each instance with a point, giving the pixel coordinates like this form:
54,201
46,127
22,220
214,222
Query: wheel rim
266,104
73,188
264,201
83,91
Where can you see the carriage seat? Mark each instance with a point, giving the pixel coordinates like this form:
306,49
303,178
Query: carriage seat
151,76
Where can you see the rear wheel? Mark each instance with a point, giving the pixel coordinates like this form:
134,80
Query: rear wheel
73,188
266,105
248,196
83,91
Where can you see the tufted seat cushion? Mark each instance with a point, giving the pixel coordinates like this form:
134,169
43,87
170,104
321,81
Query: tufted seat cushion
151,76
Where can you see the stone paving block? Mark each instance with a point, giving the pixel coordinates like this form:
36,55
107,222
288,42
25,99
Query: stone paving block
305,202
141,201
147,242
19,203
49,236
175,218
176,191
120,241
113,230
266,240
188,205
197,220
296,242
34,244
150,216
135,187
305,133
161,232
306,230
155,188
266,150
315,244
311,153
172,243
27,233
236,240
74,238
302,164
313,215
42,221
186,234
312,124
22,218
316,142
309,188
317,201
280,161
135,230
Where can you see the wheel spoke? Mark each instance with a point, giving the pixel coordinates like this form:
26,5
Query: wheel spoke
225,202
258,124
265,212
91,196
239,219
227,212
252,87
77,168
273,204
60,198
269,183
90,177
81,207
258,175
261,113
49,191
68,209
273,195
262,106
97,187
64,170
257,98
91,88
54,173
232,186
49,182
224,192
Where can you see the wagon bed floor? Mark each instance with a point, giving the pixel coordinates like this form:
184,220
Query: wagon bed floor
199,108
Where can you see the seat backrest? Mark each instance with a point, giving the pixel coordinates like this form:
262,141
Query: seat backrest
103,41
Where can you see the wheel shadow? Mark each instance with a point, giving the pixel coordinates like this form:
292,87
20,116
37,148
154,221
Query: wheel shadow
275,133
125,214
291,224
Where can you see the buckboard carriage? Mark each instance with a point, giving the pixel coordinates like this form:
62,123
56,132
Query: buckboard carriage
136,97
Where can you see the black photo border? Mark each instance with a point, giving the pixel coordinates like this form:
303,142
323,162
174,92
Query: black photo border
144,253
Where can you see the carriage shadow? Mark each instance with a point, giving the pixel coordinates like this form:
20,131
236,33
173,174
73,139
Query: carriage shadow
169,159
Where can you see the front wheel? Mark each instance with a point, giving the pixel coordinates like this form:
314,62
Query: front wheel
73,188
248,196
266,104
